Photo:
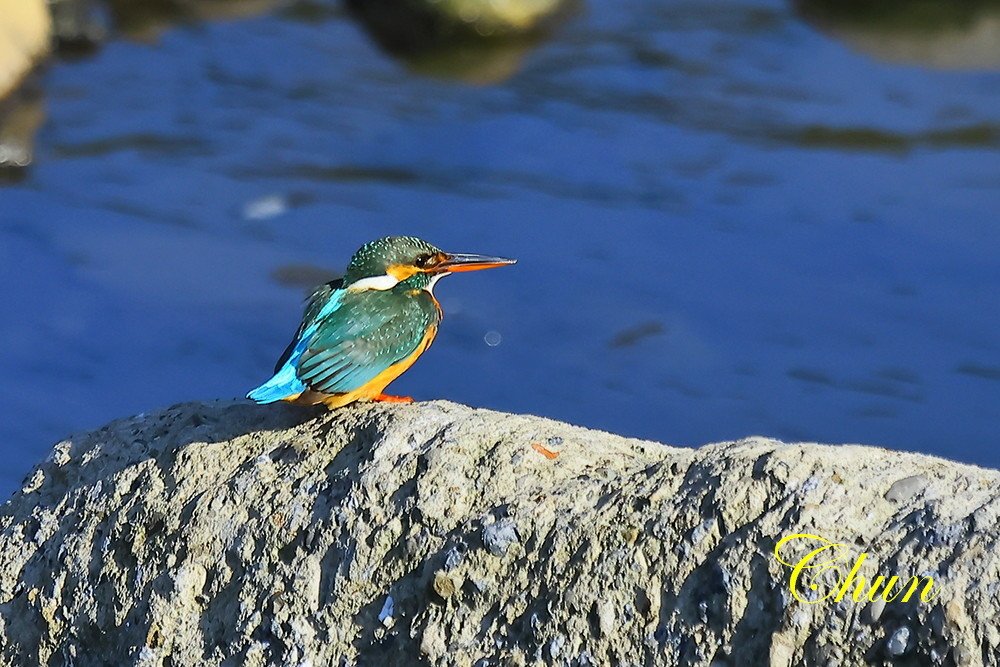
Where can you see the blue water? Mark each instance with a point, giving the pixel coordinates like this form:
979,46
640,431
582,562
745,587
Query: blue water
728,221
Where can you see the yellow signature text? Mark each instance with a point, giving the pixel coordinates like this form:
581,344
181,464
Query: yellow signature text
826,570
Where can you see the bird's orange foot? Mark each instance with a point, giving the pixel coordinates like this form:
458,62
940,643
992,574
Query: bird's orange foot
386,398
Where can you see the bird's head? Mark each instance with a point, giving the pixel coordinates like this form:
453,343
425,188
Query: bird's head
384,263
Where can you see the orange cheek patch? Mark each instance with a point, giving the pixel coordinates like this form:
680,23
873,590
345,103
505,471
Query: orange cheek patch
401,271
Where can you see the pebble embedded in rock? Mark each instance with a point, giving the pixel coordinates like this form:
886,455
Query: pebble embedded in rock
499,536
906,489
453,558
388,609
874,610
444,585
898,641
606,617
555,646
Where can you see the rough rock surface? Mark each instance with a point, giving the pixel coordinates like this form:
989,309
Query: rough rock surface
229,534
24,37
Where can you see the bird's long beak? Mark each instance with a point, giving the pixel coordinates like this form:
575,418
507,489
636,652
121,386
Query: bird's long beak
457,263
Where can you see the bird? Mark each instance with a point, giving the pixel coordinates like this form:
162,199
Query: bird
362,331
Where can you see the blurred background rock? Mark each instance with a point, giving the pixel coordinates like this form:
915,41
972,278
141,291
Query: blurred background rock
935,33
24,39
476,41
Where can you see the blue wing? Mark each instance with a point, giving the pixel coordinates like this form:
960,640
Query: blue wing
285,383
370,332
347,339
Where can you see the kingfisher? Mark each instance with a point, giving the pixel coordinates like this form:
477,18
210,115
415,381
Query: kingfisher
361,332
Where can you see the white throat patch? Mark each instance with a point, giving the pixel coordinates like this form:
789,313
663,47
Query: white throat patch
380,283
386,282
436,277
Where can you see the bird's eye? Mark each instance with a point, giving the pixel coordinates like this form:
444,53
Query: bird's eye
425,261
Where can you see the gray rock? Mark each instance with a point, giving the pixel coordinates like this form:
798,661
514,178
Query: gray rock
225,533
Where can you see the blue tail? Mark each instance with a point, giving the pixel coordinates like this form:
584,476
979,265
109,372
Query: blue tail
285,382
283,385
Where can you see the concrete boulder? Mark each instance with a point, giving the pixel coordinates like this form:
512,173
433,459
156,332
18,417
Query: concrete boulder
230,534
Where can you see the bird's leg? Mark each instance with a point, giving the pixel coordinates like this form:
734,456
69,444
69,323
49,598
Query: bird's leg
386,398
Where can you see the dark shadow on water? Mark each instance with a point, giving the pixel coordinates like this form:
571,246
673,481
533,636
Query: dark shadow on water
81,27
148,18
981,135
979,371
895,384
631,336
159,144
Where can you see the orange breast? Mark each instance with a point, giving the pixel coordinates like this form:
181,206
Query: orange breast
380,381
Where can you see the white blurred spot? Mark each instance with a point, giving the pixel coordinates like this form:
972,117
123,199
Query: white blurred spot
265,207
493,338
